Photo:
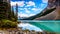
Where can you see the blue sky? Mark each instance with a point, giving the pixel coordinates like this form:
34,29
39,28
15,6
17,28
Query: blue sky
27,8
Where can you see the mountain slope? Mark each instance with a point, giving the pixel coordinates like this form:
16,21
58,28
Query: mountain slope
55,15
40,14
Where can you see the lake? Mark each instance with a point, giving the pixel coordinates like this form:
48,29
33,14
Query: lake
46,25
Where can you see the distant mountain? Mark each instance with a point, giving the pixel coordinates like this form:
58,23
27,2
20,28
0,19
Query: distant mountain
20,18
40,14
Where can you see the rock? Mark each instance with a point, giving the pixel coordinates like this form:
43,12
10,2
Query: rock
55,15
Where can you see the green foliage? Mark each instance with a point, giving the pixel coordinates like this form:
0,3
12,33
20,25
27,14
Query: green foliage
7,24
2,16
6,12
8,18
12,16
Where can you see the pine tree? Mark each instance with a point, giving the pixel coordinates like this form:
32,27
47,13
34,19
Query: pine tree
3,10
17,11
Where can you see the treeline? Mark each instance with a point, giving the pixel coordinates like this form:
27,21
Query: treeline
8,18
6,12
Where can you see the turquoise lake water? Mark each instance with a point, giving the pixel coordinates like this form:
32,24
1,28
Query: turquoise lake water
50,26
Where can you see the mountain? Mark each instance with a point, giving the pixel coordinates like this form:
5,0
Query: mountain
52,12
43,13
54,15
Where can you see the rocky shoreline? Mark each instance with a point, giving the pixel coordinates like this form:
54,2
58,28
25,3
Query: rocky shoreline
20,31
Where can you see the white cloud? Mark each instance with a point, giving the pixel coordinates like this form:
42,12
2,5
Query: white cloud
40,9
13,3
42,5
45,1
21,8
29,8
20,3
26,10
29,26
35,9
30,3
25,15
31,14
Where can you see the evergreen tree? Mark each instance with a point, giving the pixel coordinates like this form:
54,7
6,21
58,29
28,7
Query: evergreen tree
17,11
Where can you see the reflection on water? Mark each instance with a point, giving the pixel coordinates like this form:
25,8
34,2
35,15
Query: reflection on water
46,25
29,26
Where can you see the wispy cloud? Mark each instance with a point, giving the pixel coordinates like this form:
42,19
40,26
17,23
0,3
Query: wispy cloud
20,8
25,15
35,9
26,10
13,3
42,5
45,1
30,3
20,3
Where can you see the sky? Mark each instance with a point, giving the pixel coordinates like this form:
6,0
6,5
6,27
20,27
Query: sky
27,8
